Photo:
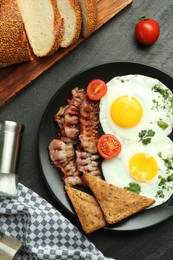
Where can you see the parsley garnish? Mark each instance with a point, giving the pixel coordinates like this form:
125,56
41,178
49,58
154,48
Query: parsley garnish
160,194
163,92
170,177
171,101
162,124
134,187
145,136
168,163
165,183
156,104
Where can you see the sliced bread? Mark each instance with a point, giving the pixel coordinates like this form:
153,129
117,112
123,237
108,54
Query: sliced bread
14,46
89,16
43,25
87,209
116,203
71,12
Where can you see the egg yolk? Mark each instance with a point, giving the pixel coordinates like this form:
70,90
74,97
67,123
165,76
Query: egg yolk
126,111
143,167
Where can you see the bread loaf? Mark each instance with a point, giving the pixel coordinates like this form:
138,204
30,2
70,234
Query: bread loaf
37,28
14,46
43,25
71,12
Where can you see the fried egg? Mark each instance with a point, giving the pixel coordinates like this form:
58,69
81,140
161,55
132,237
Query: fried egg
145,169
134,103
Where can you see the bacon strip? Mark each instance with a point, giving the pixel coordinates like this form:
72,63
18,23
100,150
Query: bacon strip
89,120
87,158
67,117
62,156
75,150
88,163
62,150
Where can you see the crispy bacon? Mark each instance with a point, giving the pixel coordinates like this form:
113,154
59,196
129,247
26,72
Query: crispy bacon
62,150
73,180
89,120
75,150
62,156
87,158
59,119
87,163
59,151
67,117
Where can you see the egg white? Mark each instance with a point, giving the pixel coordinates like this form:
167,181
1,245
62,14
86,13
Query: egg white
155,107
116,170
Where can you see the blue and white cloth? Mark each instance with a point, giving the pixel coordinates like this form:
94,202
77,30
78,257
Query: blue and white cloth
44,231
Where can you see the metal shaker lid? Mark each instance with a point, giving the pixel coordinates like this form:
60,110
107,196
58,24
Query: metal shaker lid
11,126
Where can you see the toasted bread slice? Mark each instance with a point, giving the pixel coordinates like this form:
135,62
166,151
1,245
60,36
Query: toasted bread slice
89,16
116,203
87,209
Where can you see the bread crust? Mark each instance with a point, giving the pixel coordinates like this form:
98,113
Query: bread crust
89,16
14,45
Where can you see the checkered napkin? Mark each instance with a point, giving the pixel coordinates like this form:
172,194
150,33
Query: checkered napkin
45,233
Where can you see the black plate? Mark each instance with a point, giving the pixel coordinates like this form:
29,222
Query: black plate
47,132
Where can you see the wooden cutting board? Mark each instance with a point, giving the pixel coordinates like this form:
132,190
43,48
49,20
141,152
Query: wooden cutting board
14,78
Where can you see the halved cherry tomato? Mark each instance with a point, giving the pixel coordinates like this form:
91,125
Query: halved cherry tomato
108,146
147,31
96,89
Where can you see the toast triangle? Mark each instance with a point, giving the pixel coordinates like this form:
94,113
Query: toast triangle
115,202
87,209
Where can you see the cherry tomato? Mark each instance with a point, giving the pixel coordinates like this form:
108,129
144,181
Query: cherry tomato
108,146
96,89
147,31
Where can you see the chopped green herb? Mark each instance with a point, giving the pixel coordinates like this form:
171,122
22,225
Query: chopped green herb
160,155
134,187
168,163
166,183
171,101
162,124
163,92
145,136
160,194
156,104
170,177
162,182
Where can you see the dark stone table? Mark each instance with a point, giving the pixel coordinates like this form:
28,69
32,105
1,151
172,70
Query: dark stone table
113,42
